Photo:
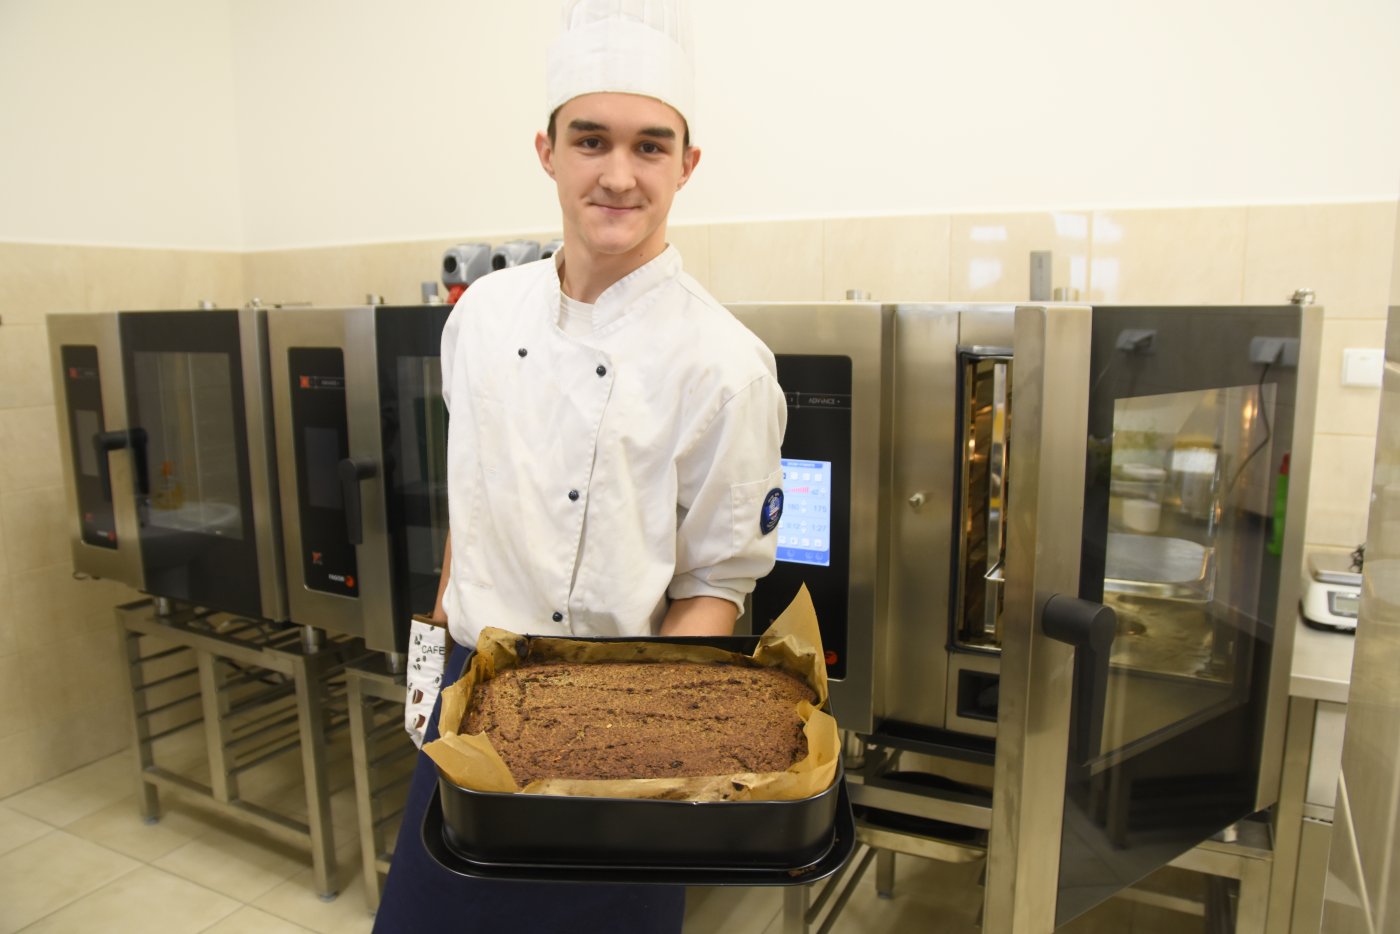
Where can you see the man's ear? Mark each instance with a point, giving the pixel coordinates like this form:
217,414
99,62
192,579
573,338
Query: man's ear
689,160
545,150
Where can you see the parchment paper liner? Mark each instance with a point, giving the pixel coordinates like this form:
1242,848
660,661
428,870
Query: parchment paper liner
792,643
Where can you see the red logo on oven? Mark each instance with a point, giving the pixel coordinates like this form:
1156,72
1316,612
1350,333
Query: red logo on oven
350,581
72,372
306,382
830,657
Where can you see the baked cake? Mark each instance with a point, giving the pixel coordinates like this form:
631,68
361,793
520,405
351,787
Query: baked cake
627,720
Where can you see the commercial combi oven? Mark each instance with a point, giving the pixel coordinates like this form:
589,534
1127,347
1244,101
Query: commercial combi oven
1052,539
168,464
361,433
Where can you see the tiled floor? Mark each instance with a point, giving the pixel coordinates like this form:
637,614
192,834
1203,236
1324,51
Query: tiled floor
75,856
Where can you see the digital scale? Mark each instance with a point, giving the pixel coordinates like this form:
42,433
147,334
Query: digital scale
1332,594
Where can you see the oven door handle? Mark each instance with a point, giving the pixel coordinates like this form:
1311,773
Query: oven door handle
352,470
105,442
1090,629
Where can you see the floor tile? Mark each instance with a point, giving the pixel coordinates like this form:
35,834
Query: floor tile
78,793
731,910
296,900
53,871
234,860
249,920
147,901
17,829
121,827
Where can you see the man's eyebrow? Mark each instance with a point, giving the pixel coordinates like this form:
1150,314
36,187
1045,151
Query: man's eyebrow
592,126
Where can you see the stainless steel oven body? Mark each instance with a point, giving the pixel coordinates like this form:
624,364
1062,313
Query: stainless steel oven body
834,364
362,450
1090,564
164,427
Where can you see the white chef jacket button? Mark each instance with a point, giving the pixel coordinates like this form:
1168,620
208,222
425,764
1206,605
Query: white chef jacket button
573,495
557,617
522,351
602,370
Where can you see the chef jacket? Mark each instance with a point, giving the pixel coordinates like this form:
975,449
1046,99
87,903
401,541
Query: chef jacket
592,477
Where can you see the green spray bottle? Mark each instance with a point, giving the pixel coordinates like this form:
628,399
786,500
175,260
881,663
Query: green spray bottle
1275,544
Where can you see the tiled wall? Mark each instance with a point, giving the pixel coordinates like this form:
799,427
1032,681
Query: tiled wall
61,697
53,629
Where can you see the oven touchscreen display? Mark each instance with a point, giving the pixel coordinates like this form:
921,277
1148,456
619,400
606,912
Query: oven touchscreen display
804,532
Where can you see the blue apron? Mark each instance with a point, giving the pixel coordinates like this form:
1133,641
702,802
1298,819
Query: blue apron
420,896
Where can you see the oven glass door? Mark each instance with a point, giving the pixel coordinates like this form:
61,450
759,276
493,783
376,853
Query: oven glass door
1189,430
184,385
413,419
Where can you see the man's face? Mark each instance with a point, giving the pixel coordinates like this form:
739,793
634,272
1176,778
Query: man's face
618,160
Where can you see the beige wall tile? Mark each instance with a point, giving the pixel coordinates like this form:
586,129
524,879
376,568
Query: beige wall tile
24,366
1342,409
889,258
16,712
28,448
133,279
1395,260
43,609
766,262
345,275
34,538
1341,251
990,254
396,271
20,766
36,279
693,242
1339,493
9,619
1184,255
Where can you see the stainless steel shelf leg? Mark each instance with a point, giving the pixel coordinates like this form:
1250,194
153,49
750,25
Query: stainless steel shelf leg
311,722
884,873
217,735
364,804
796,898
149,797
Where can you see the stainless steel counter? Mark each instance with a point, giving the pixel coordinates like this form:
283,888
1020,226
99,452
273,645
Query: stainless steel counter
1321,664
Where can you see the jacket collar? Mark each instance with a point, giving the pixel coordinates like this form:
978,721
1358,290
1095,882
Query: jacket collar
627,295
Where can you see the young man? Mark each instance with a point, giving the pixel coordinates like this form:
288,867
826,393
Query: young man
613,451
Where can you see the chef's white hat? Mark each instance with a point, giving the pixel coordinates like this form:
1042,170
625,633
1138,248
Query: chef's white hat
627,46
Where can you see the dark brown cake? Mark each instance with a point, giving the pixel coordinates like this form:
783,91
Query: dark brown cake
620,720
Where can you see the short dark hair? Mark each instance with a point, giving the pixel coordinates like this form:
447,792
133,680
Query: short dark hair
549,130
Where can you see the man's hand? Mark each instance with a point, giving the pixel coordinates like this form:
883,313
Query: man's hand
700,616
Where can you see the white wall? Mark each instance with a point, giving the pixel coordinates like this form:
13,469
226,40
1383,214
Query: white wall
117,123
363,121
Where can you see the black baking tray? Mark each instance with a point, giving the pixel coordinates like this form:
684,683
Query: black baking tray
840,845
511,831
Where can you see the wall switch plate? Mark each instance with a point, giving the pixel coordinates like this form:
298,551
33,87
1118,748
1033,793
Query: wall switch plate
1362,366
1042,268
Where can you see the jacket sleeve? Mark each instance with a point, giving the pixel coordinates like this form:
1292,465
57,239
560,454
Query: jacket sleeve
725,538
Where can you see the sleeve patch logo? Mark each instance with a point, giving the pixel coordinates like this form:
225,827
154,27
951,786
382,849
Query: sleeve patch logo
772,511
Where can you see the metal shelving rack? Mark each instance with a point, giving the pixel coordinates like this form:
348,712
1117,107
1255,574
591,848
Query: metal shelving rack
261,690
